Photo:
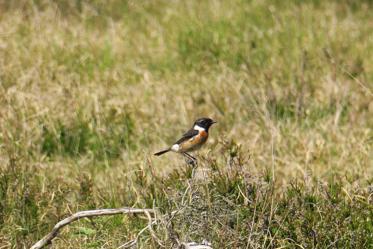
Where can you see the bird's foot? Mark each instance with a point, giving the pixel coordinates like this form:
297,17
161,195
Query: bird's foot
190,160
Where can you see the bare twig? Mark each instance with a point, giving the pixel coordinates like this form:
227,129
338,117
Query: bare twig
90,213
151,229
148,227
193,245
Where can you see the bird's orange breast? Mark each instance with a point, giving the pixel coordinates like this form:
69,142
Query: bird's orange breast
195,142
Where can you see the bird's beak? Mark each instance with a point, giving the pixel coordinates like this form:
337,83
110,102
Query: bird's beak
214,122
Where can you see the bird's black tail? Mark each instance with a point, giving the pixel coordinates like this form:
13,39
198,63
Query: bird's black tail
161,152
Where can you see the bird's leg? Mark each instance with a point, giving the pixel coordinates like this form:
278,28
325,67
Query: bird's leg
192,160
190,156
188,159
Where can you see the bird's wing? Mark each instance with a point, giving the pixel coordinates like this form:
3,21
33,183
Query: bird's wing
188,135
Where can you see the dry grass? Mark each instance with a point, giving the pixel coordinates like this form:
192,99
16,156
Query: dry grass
88,91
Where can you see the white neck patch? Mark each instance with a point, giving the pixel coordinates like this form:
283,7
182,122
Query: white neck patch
198,128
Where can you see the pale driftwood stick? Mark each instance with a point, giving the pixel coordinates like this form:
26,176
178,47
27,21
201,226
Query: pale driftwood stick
83,214
148,227
194,245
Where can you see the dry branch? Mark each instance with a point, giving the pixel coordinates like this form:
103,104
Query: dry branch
194,245
84,214
148,227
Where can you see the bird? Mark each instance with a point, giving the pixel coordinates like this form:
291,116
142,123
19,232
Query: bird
192,140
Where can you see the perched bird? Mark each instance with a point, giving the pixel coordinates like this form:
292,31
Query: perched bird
192,140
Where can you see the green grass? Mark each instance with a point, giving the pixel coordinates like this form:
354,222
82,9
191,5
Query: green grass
90,90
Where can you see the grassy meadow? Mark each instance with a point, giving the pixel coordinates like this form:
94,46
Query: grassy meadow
89,90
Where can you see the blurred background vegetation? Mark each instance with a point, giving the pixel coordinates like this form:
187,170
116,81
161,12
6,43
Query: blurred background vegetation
90,89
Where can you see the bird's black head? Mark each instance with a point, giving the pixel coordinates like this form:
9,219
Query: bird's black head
204,123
